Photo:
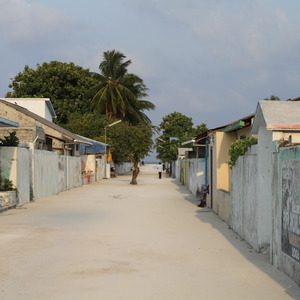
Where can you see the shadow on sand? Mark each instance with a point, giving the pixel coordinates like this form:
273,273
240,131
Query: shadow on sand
260,260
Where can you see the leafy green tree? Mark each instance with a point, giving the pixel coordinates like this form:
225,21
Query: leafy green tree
90,124
131,143
199,129
176,125
118,93
64,83
176,128
273,98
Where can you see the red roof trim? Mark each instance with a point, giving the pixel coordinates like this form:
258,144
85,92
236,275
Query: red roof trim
274,126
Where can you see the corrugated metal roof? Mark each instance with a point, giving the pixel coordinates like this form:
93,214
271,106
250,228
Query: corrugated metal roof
213,130
94,147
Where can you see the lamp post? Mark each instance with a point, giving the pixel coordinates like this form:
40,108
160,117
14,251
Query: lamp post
112,124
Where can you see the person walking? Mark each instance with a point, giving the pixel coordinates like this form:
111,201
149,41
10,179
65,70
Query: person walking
159,170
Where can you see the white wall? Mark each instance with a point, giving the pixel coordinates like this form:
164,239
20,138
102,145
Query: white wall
193,174
176,168
45,173
74,178
245,201
62,173
88,163
8,164
264,194
38,173
123,168
24,175
100,169
285,250
196,174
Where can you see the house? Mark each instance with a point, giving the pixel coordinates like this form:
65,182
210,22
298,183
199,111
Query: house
213,146
265,206
218,177
198,145
277,124
96,148
40,106
37,132
277,121
8,123
183,152
92,152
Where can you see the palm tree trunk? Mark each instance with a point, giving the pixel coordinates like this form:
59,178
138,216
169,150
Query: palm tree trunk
136,169
109,109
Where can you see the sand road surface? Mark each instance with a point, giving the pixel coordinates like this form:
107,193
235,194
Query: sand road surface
111,240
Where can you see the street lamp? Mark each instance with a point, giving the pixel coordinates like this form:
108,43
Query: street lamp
112,124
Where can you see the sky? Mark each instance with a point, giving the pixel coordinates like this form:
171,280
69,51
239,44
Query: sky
211,60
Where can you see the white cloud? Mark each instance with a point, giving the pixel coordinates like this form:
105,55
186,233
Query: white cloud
24,22
202,58
244,33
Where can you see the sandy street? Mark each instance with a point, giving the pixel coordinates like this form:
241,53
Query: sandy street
111,240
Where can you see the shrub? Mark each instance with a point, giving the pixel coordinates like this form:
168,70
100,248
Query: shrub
10,140
7,185
239,148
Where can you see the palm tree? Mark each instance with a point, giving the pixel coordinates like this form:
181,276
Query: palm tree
119,93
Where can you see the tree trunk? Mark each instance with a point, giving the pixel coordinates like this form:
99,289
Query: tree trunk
136,169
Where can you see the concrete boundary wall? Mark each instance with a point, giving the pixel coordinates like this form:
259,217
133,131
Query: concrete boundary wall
190,172
196,174
88,163
285,238
24,176
123,168
277,228
38,173
8,164
74,178
244,199
62,173
176,168
100,169
15,165
45,173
